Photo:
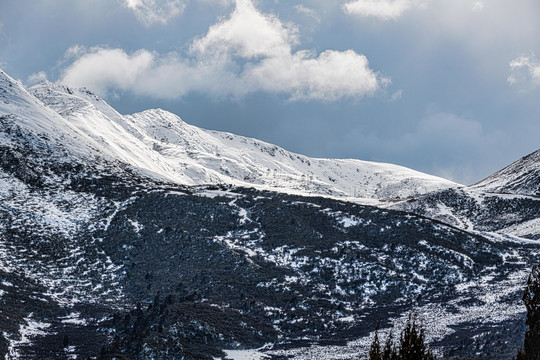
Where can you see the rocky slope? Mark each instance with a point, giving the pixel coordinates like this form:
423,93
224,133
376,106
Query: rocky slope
506,202
522,178
514,215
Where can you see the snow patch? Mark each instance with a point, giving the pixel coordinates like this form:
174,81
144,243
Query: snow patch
245,355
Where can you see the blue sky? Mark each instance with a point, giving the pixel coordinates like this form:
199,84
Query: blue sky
448,87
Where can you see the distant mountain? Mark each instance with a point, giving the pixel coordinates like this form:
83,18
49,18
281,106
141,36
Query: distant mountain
522,177
506,202
112,247
474,210
160,144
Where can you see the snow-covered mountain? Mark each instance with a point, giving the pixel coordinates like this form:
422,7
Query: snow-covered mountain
107,252
26,112
159,143
506,202
522,177
474,210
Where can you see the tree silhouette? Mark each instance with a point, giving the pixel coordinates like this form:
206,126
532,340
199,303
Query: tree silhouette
389,352
411,344
375,352
531,299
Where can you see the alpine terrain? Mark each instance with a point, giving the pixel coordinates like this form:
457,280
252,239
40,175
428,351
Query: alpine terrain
142,237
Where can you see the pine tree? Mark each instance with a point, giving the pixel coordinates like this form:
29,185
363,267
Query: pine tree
389,352
411,344
531,299
375,350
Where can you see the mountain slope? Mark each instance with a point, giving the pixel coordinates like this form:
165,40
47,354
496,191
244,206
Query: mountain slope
522,177
474,210
237,268
160,143
506,202
21,111
99,260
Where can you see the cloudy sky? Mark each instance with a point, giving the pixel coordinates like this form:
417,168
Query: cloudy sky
448,87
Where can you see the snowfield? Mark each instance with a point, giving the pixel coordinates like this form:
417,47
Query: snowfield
158,143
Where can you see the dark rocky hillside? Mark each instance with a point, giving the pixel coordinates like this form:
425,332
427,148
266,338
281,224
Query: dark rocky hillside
506,202
471,209
113,266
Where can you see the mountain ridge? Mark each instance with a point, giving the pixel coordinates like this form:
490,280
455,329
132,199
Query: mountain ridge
522,177
160,143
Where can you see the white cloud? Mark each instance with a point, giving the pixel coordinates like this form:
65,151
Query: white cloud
302,9
102,69
330,76
478,6
397,95
246,53
248,33
75,51
393,9
381,9
151,12
524,72
36,78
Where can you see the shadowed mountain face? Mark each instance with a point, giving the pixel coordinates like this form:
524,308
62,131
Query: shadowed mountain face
98,260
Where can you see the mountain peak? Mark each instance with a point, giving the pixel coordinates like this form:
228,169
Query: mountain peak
521,177
159,144
32,115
